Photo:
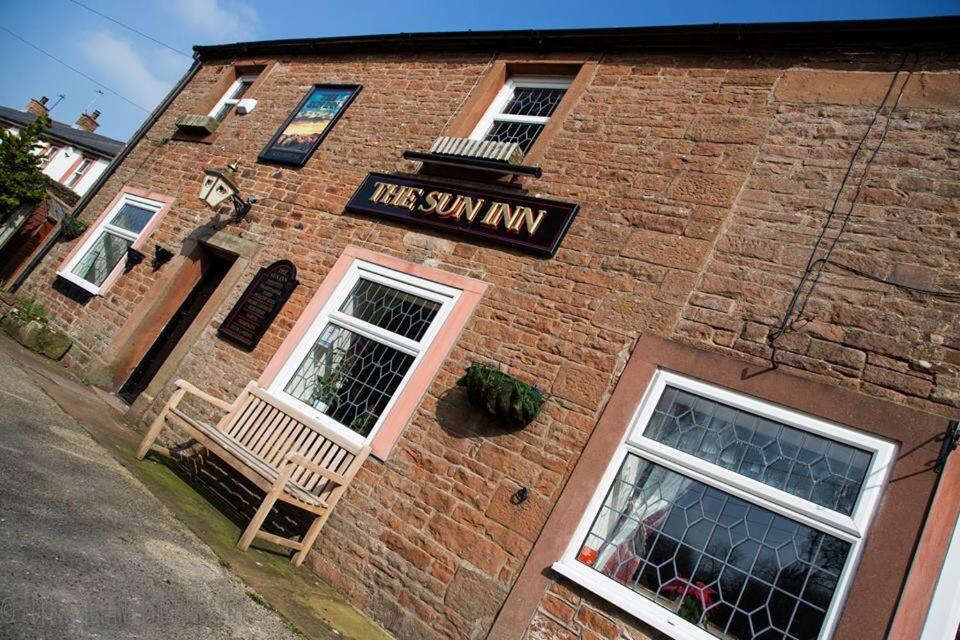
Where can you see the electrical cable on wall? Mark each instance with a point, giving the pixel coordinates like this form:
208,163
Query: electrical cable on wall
814,268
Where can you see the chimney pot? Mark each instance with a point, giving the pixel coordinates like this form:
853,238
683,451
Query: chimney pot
38,107
95,114
88,122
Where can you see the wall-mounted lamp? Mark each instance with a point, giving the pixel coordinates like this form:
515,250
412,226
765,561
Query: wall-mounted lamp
220,184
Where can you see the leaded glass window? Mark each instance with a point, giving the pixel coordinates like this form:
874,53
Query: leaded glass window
521,110
804,464
363,346
729,518
105,246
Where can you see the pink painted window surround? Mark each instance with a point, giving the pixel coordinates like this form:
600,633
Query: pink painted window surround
157,202
341,313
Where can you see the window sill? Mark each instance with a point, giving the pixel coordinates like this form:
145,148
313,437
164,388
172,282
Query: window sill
92,289
636,605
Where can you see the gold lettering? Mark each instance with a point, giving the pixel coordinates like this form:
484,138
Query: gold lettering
430,202
384,189
407,199
529,221
494,214
472,207
513,218
453,211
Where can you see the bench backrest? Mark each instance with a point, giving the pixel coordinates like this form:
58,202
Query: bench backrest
269,429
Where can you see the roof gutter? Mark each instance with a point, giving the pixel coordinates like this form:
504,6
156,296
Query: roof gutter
737,36
138,135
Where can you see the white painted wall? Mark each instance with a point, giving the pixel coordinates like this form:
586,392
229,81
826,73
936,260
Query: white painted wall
65,158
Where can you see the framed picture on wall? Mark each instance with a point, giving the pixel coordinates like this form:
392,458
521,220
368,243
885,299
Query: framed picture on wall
302,132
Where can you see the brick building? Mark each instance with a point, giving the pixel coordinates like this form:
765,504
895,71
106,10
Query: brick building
675,484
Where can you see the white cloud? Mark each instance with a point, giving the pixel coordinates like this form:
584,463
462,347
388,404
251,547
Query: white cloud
120,67
221,21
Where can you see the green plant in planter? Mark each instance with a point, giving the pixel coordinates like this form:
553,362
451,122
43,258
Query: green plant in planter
29,309
513,402
72,227
328,386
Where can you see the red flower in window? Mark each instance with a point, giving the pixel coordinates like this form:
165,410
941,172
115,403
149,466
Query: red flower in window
682,587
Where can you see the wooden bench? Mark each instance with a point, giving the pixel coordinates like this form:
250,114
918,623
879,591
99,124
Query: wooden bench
278,448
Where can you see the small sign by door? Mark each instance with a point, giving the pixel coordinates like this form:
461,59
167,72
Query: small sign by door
259,305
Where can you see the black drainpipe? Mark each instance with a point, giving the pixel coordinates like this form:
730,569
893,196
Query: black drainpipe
111,168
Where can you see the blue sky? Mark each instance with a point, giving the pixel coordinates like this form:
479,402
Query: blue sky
143,71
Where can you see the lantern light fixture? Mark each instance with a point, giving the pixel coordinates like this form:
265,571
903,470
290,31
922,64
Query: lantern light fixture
220,184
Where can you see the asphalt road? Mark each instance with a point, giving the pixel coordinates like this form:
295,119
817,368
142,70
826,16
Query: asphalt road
86,552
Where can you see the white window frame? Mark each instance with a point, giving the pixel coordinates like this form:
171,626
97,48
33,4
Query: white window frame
49,154
446,296
227,100
77,176
852,529
104,226
495,113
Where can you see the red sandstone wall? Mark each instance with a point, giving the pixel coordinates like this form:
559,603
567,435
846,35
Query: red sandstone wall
703,182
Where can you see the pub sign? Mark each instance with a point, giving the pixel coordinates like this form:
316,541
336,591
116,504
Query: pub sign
259,305
535,225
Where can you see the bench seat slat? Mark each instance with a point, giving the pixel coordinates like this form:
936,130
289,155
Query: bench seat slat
280,448
247,458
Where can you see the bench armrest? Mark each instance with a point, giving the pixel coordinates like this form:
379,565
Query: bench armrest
301,461
194,391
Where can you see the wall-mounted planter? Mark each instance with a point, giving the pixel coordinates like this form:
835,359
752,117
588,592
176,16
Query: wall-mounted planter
510,401
191,123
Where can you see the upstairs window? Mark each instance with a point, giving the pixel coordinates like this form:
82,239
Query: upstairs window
725,517
48,155
105,246
233,95
81,171
521,110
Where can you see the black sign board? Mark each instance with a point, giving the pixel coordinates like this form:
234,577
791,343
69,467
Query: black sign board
259,305
531,224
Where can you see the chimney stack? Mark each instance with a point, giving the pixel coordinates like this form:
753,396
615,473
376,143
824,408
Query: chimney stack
88,122
38,107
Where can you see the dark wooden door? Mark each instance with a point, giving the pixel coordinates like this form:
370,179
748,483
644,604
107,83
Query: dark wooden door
214,269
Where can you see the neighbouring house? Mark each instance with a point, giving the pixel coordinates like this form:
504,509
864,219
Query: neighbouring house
74,156
724,257
73,159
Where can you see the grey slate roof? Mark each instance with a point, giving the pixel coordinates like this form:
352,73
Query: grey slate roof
101,145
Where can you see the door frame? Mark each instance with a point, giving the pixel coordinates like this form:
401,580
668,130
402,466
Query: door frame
125,351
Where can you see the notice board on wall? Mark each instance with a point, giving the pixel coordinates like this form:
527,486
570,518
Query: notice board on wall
259,305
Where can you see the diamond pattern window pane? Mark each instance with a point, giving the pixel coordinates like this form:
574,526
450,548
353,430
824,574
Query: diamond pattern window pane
520,132
734,569
388,308
349,377
132,218
803,464
103,256
529,101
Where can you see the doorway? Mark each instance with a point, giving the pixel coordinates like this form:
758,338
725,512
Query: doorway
213,267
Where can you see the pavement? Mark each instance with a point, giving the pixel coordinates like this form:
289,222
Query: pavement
94,544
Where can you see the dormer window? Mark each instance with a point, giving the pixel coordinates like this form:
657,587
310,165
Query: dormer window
521,110
232,96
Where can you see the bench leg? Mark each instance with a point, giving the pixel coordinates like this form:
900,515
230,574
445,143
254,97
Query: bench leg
157,425
310,537
268,501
